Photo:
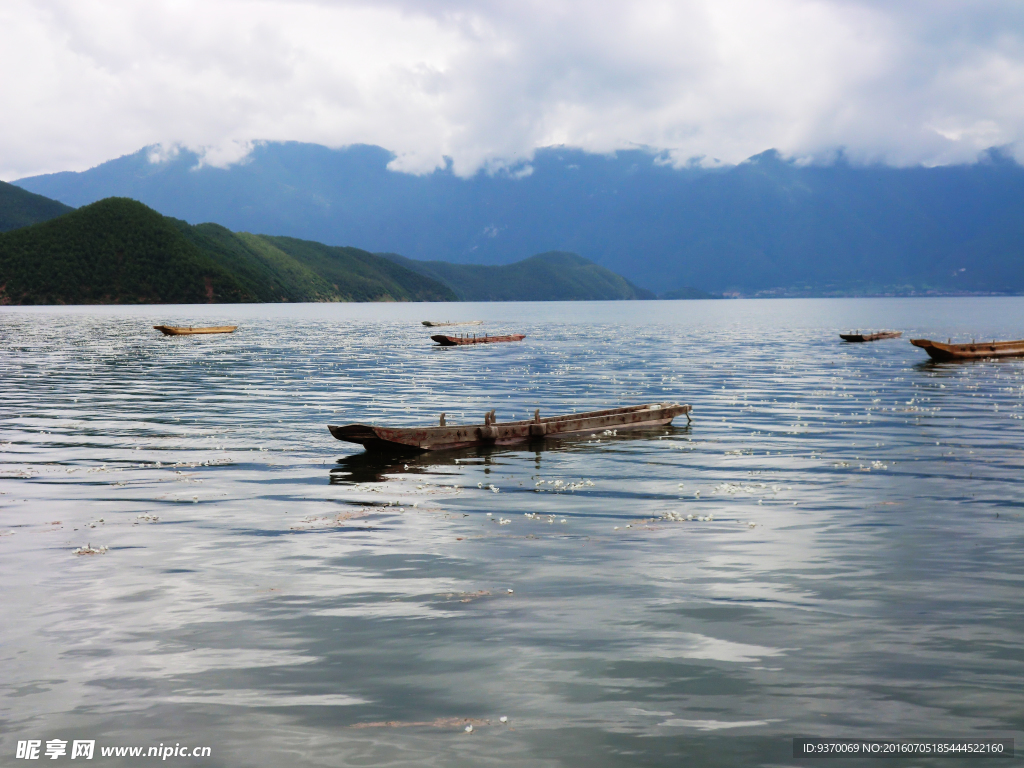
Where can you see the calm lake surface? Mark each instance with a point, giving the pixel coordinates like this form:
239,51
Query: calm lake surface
280,597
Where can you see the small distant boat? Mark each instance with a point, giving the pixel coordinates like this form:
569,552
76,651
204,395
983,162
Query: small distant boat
458,341
433,324
870,336
175,330
443,436
973,351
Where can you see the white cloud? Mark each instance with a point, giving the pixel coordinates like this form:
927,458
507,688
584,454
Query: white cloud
486,83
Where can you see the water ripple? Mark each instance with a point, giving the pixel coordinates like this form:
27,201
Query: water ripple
832,547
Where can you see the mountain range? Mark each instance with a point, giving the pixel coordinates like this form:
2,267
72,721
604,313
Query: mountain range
767,225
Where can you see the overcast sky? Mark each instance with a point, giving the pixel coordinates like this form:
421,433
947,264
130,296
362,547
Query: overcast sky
487,82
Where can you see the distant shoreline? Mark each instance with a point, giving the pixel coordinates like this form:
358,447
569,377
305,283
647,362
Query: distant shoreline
467,303
783,293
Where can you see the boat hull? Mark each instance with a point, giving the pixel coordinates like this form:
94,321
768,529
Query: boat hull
508,433
461,341
433,324
870,336
938,351
172,330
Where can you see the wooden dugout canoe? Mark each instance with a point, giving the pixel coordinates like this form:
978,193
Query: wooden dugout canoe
973,351
509,432
433,324
459,341
870,336
175,330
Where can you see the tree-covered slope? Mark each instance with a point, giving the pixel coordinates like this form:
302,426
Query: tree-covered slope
116,251
359,275
266,272
552,276
19,208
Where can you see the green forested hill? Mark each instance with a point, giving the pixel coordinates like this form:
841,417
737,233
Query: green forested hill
287,269
19,208
360,275
118,251
551,276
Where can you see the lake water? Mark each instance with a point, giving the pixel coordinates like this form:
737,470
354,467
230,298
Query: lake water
282,598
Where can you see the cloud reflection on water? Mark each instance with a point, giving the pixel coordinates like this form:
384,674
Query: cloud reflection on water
886,599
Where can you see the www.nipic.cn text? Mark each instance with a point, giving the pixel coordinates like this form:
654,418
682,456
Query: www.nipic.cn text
53,749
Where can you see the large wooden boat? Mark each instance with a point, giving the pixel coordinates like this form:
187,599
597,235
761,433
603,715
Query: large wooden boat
175,330
973,351
445,436
458,341
870,336
433,324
